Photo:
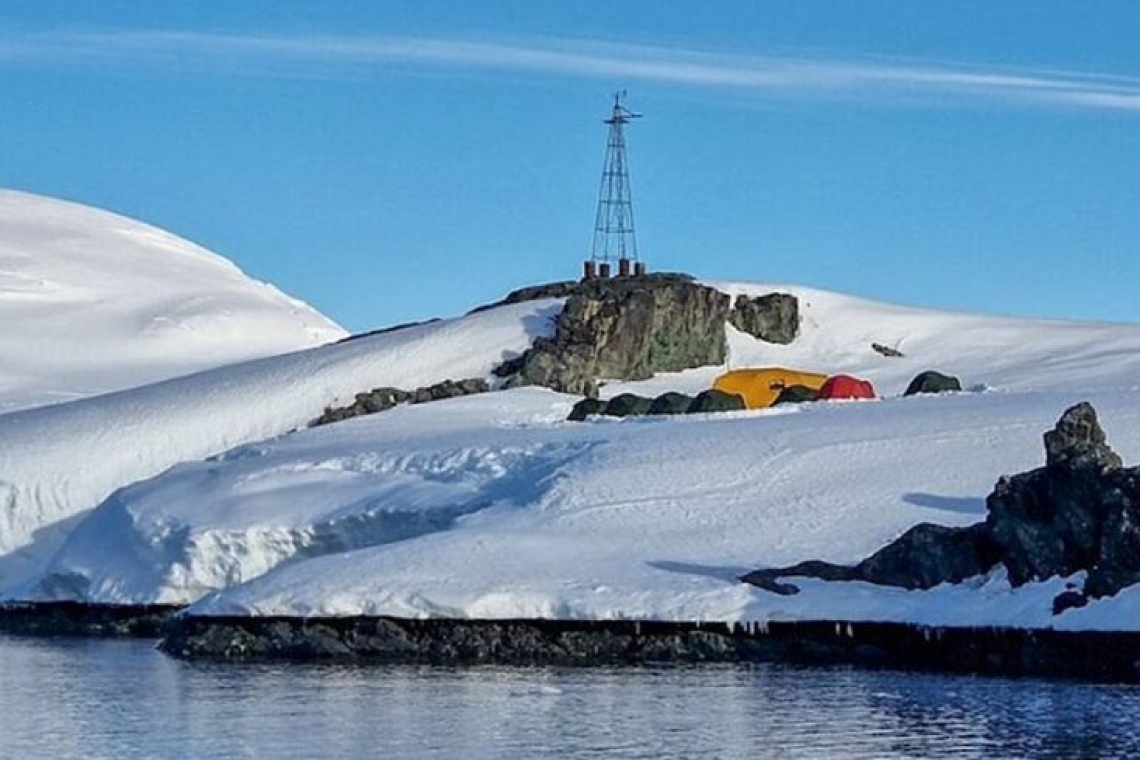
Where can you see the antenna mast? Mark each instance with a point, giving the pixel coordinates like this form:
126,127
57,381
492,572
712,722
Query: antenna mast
614,239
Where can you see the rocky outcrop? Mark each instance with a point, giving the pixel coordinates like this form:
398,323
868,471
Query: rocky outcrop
625,328
887,351
774,318
382,399
1093,655
1080,512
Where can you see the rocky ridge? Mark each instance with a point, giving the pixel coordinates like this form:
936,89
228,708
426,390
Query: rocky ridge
630,328
1080,512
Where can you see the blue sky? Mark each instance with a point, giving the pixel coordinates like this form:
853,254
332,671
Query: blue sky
394,161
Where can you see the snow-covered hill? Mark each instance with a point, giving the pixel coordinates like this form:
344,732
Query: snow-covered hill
93,302
493,506
59,461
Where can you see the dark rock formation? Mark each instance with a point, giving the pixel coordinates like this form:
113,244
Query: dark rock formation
887,351
933,382
1080,512
586,408
625,328
1079,442
627,405
670,403
568,288
381,399
1108,656
923,557
715,401
774,318
796,394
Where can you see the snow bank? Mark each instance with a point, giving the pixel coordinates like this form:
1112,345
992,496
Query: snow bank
492,507
95,302
58,461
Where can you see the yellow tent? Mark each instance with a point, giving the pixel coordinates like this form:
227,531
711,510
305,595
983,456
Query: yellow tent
761,386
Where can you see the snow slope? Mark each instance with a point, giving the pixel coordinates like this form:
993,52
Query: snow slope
1000,352
59,461
493,506
94,302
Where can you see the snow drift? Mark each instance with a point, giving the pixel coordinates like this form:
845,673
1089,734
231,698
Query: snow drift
61,460
493,506
94,302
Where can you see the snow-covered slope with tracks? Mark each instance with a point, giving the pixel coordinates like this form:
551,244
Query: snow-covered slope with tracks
494,506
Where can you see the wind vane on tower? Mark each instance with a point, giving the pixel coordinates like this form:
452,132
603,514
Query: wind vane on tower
614,239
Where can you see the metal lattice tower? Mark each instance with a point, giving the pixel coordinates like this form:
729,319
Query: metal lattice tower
614,239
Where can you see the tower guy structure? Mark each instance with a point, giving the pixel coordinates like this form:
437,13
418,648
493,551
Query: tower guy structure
614,238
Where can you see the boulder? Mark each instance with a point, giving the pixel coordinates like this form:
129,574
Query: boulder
670,403
626,328
1078,442
933,382
796,394
715,401
627,405
773,318
587,407
887,351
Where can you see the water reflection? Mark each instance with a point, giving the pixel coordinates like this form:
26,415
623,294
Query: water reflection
90,699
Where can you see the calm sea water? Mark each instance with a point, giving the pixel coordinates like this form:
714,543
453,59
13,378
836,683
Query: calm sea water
122,699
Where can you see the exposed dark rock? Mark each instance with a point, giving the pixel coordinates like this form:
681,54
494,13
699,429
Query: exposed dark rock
382,399
715,401
627,328
1078,441
796,394
774,318
933,382
585,408
1069,599
887,351
627,405
1080,512
923,557
670,403
1092,655
928,554
83,619
568,288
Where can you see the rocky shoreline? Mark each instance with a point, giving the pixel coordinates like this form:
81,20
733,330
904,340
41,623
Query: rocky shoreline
1105,656
1100,656
148,621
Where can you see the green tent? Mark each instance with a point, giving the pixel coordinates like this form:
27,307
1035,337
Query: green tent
715,401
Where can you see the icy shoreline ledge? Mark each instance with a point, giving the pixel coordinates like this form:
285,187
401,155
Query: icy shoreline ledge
1098,656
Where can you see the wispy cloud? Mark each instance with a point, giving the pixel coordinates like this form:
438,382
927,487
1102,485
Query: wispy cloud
785,75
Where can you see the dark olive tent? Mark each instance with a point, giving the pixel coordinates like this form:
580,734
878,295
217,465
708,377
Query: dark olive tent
716,401
796,394
670,403
627,405
845,386
933,382
585,408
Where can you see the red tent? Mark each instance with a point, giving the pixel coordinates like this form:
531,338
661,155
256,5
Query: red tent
845,386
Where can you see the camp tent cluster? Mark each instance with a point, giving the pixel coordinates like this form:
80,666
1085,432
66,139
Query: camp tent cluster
755,388
763,387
